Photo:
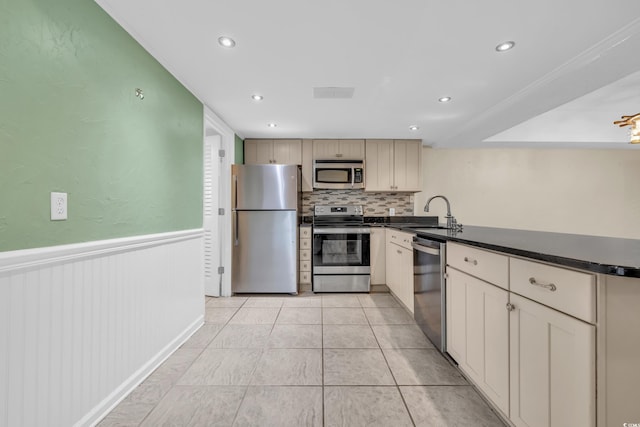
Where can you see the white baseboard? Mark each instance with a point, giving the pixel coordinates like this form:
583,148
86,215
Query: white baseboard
110,402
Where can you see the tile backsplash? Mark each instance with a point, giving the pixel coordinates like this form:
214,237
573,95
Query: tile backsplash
375,204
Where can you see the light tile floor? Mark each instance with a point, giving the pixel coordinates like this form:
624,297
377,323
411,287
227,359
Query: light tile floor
306,360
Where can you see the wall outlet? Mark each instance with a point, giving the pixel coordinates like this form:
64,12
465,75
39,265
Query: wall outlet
58,206
392,211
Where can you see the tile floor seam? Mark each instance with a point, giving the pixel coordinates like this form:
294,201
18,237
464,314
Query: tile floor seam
406,407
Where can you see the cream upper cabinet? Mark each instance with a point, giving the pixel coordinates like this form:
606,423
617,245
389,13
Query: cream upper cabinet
307,165
379,165
552,367
336,149
273,151
478,333
393,165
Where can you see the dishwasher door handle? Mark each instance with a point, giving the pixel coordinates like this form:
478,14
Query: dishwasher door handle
426,249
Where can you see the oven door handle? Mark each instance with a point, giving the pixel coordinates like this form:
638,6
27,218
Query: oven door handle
342,230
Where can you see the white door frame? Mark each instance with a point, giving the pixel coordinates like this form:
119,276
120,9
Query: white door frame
227,143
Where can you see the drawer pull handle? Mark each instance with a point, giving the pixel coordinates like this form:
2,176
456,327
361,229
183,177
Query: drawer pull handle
550,286
510,307
471,261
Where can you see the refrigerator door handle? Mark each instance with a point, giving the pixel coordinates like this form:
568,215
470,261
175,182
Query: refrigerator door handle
235,192
236,237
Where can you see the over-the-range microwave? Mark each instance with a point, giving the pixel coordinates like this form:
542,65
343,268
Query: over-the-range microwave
338,174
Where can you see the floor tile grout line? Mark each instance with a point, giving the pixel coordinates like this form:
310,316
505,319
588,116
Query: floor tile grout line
384,356
175,383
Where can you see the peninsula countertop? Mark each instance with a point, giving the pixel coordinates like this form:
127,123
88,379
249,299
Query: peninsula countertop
607,255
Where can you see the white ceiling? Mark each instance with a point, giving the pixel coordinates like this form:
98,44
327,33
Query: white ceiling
401,56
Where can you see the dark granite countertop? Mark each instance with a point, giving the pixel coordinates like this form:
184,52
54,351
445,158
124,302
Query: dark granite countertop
608,255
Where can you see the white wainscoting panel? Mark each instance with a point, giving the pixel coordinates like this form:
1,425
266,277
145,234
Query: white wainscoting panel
81,325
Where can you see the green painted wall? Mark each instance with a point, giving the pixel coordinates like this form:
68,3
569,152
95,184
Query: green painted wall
239,151
70,122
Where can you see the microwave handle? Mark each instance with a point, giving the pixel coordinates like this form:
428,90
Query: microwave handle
353,177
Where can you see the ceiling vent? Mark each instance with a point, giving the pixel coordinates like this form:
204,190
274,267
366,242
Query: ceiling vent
333,92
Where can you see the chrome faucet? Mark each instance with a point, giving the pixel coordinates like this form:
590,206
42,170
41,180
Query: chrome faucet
451,220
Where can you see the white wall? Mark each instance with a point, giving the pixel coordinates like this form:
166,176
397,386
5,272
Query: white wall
595,192
81,325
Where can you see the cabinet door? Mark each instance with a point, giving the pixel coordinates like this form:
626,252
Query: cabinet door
379,165
378,256
406,278
326,149
351,149
287,151
407,165
552,367
307,165
456,302
391,262
258,151
487,339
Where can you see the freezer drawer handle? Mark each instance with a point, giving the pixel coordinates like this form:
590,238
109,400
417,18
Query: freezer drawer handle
549,286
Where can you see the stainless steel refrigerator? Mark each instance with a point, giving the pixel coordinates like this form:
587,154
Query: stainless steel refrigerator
265,207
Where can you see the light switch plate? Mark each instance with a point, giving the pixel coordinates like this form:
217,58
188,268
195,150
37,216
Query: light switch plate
58,206
392,211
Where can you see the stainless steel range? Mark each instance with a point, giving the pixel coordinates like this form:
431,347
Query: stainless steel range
341,247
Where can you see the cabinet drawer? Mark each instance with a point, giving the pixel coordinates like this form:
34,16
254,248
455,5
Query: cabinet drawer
569,291
305,244
305,232
305,277
305,265
485,265
305,255
399,238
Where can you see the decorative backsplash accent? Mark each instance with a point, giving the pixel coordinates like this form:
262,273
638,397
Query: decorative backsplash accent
375,204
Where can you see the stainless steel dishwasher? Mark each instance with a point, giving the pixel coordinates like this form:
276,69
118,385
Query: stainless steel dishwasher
429,289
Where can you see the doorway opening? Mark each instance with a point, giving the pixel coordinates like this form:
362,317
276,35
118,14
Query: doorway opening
218,152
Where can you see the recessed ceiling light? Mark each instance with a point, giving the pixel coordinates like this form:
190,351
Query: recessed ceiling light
257,97
413,127
225,41
272,125
505,46
444,99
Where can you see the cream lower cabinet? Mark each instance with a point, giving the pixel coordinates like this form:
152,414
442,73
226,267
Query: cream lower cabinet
534,362
552,367
478,333
305,255
378,256
399,266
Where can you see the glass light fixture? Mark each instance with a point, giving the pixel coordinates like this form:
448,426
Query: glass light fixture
504,46
635,131
444,99
272,125
225,41
257,97
139,93
413,127
634,123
